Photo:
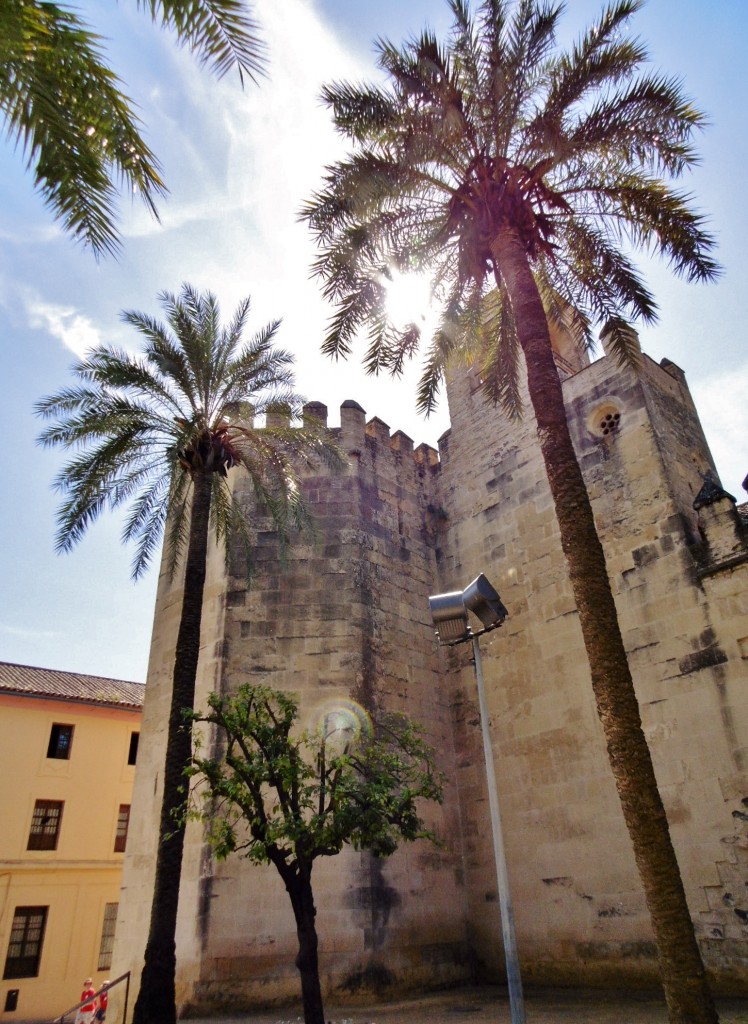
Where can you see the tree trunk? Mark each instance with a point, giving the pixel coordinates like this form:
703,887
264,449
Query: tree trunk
299,887
683,976
156,1002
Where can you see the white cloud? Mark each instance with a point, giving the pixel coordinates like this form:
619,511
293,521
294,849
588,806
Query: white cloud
72,328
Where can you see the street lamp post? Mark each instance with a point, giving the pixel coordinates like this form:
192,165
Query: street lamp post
450,617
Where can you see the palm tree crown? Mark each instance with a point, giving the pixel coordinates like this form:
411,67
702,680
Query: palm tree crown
498,129
145,427
61,102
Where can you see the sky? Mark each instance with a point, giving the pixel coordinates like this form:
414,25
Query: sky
239,165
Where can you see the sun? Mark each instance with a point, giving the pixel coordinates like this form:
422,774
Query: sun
408,299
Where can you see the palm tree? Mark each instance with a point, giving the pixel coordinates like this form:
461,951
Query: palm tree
159,434
78,129
519,175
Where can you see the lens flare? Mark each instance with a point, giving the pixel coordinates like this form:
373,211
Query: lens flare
343,722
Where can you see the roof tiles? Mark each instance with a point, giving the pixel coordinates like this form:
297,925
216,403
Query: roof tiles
56,685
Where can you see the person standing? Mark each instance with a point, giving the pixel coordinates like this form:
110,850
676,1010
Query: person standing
103,1001
85,1014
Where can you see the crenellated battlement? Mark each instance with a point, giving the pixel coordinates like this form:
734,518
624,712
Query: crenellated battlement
355,432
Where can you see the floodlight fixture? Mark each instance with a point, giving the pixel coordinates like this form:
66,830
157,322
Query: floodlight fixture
449,612
482,600
450,617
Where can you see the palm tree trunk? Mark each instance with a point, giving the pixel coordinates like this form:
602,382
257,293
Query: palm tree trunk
683,976
156,1002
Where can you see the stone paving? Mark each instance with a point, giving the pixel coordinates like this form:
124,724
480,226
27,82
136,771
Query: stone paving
490,1005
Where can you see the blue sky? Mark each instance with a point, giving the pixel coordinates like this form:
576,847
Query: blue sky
239,165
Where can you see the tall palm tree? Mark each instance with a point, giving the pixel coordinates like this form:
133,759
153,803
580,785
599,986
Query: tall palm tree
519,175
63,104
159,434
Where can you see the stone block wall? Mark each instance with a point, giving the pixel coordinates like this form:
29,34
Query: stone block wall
578,902
346,621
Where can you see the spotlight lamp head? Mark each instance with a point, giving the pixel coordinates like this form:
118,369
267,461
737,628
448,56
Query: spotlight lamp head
449,612
482,600
449,617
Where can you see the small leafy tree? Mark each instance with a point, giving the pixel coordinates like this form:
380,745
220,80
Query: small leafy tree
284,799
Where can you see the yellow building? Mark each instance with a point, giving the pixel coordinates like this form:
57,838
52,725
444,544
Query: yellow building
68,745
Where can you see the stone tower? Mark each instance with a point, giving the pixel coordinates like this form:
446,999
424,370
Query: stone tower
347,620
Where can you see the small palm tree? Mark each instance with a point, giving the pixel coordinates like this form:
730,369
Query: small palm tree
160,433
64,105
518,175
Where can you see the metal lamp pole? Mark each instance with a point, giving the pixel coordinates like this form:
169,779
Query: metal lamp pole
514,981
450,616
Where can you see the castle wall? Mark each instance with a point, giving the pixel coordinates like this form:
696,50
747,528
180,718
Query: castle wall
344,621
347,620
580,911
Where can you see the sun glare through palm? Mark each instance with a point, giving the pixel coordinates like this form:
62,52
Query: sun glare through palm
408,300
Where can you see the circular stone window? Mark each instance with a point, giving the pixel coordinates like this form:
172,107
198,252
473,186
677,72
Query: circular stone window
605,420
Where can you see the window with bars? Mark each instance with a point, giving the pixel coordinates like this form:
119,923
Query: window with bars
107,936
123,824
25,946
60,742
45,825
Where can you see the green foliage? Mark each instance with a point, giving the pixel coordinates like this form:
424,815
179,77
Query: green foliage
286,797
144,427
498,130
65,107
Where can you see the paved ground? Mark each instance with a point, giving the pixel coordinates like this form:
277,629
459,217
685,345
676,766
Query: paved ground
490,1005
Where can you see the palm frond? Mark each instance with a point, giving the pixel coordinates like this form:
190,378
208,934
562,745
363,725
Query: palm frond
498,356
624,343
446,341
221,32
600,59
605,273
66,109
651,214
647,124
359,112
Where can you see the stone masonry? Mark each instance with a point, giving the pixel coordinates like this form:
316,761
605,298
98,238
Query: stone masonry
347,620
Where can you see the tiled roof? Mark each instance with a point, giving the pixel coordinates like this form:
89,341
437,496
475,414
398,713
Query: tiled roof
47,682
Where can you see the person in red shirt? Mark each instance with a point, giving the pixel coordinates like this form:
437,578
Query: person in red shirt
103,1000
85,1014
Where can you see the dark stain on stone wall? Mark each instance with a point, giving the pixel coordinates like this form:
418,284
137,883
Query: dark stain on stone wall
705,657
374,977
373,901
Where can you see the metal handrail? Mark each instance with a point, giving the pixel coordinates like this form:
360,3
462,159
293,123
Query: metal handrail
104,988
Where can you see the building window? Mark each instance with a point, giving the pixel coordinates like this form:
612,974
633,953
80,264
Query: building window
609,423
123,823
605,420
45,825
107,936
60,742
132,754
25,946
